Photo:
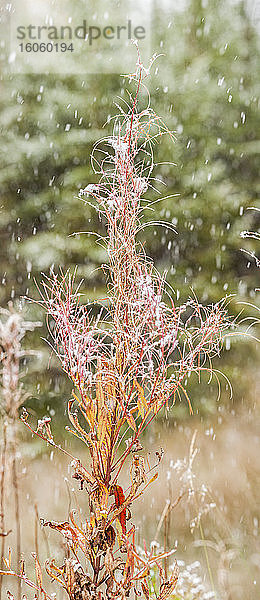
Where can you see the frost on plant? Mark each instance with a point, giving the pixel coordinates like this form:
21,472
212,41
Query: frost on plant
13,328
125,364
190,584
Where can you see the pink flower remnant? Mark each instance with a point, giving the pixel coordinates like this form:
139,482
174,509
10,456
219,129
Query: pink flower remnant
144,336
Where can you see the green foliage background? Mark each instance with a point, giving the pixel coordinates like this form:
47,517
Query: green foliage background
206,90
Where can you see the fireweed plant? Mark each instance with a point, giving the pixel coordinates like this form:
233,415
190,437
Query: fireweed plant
126,363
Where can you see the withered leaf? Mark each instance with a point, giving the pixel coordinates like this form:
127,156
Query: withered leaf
102,424
110,536
141,400
145,589
109,561
168,587
131,421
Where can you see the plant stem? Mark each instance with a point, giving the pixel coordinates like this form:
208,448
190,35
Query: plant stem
165,544
17,508
2,502
36,521
96,570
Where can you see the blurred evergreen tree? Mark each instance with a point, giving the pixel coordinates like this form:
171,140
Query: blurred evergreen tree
49,124
206,90
208,93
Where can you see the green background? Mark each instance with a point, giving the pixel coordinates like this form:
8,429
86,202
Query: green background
206,90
